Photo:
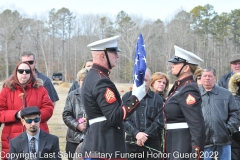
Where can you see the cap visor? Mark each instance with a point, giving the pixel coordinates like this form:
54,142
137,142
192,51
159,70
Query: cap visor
174,61
118,50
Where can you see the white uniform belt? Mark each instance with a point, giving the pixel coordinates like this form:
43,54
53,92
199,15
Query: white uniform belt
98,119
176,125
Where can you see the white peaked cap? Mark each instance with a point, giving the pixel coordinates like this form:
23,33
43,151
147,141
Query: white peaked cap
109,44
182,56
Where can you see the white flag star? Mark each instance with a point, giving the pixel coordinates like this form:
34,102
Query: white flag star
144,58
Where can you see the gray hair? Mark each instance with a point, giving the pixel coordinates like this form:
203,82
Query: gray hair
209,69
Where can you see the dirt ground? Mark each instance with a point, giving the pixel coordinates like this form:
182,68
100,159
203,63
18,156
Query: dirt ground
56,124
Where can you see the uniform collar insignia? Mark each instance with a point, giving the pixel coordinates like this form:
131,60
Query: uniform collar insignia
101,68
179,82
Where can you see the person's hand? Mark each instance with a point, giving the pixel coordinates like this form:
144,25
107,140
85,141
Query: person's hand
140,143
140,91
82,126
141,138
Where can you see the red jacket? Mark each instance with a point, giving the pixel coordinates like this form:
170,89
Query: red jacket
11,103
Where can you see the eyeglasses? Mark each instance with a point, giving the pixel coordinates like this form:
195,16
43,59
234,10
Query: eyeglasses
30,62
199,77
29,121
27,71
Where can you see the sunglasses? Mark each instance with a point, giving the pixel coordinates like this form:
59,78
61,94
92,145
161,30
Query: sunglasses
29,121
27,71
30,62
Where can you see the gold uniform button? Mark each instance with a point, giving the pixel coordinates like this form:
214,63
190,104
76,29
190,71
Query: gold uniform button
133,104
100,72
119,128
128,108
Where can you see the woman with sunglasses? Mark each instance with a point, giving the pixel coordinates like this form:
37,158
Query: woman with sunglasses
21,90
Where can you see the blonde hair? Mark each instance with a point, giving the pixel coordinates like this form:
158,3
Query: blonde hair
197,73
193,67
81,74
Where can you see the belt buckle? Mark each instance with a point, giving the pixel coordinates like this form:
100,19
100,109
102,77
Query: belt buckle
165,126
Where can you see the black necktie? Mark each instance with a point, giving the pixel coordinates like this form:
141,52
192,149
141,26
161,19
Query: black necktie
32,148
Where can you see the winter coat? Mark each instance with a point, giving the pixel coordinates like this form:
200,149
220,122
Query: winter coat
224,80
11,103
151,109
220,115
72,111
233,86
74,86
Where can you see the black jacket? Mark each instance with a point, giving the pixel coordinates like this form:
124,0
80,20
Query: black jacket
101,98
48,145
224,80
74,86
234,89
148,118
184,105
47,83
220,115
235,147
72,111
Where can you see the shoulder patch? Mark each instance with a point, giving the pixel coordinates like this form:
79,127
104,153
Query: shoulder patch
109,96
190,99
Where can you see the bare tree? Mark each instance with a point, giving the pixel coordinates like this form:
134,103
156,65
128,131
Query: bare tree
9,22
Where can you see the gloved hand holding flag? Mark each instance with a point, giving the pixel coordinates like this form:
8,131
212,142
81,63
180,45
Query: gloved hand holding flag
140,66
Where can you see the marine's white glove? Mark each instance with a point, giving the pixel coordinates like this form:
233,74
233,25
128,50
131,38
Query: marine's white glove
140,91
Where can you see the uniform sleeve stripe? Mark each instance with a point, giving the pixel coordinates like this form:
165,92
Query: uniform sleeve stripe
124,112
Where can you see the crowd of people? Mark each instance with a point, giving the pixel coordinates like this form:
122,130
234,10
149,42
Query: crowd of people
197,118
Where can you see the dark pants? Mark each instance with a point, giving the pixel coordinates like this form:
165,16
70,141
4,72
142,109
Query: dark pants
135,152
235,146
70,149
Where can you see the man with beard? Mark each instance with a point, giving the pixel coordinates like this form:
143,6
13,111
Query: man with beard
33,143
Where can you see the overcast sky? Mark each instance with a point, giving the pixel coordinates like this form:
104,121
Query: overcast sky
153,9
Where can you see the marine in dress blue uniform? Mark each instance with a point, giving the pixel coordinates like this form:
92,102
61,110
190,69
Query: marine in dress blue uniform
185,132
103,105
